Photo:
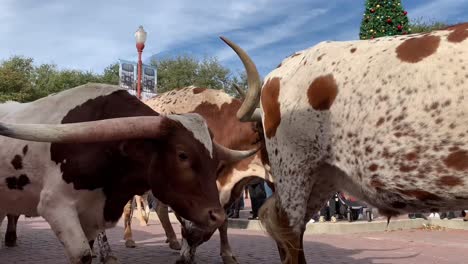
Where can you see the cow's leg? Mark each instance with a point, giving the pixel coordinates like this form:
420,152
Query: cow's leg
163,214
127,215
187,253
64,221
146,207
106,255
226,252
2,216
292,250
10,235
138,200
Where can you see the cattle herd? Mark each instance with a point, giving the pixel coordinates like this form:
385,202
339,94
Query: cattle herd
384,120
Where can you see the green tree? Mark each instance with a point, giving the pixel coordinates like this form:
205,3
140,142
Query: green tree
421,26
111,74
16,74
21,80
384,18
185,70
176,72
211,74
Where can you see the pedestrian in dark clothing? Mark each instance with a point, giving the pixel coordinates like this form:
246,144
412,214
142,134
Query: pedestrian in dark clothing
233,211
257,196
329,211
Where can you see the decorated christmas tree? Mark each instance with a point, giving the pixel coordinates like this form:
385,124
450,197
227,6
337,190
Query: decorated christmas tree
384,18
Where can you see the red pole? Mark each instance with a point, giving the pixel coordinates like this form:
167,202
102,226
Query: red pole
140,47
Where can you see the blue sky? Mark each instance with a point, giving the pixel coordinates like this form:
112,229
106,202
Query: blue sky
89,35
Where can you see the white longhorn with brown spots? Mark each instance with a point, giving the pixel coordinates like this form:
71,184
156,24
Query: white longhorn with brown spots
385,120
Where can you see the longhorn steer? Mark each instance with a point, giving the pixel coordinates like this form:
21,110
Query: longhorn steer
384,120
218,109
79,176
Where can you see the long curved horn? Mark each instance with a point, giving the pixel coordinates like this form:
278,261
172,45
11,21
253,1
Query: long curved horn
231,156
252,97
83,132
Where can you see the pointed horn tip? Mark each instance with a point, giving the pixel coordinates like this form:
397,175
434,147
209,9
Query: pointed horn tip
253,151
228,42
223,38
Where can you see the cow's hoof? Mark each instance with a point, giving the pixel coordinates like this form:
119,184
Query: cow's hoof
175,245
130,244
111,260
10,239
229,260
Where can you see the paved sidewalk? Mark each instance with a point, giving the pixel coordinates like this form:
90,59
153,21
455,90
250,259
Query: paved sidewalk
37,244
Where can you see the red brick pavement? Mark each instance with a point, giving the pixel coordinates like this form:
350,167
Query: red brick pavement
37,244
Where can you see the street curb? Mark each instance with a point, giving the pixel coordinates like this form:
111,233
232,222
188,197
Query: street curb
344,227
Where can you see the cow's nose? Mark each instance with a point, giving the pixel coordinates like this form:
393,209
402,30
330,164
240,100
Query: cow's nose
216,217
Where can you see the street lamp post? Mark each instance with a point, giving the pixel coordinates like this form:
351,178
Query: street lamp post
140,36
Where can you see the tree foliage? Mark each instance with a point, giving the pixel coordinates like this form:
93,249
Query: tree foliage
21,80
421,26
185,70
384,18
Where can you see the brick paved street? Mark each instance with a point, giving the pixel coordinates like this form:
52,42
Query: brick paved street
37,244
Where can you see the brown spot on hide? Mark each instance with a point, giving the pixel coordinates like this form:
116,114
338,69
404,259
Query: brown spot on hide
271,106
380,121
411,156
230,133
373,167
416,49
198,90
449,181
459,33
17,162
406,168
322,92
457,160
25,150
15,183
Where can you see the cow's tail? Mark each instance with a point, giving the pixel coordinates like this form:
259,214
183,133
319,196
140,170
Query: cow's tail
276,223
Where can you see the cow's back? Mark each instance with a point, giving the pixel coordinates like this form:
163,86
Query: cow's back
217,108
51,109
391,113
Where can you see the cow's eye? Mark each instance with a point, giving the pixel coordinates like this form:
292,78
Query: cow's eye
183,156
